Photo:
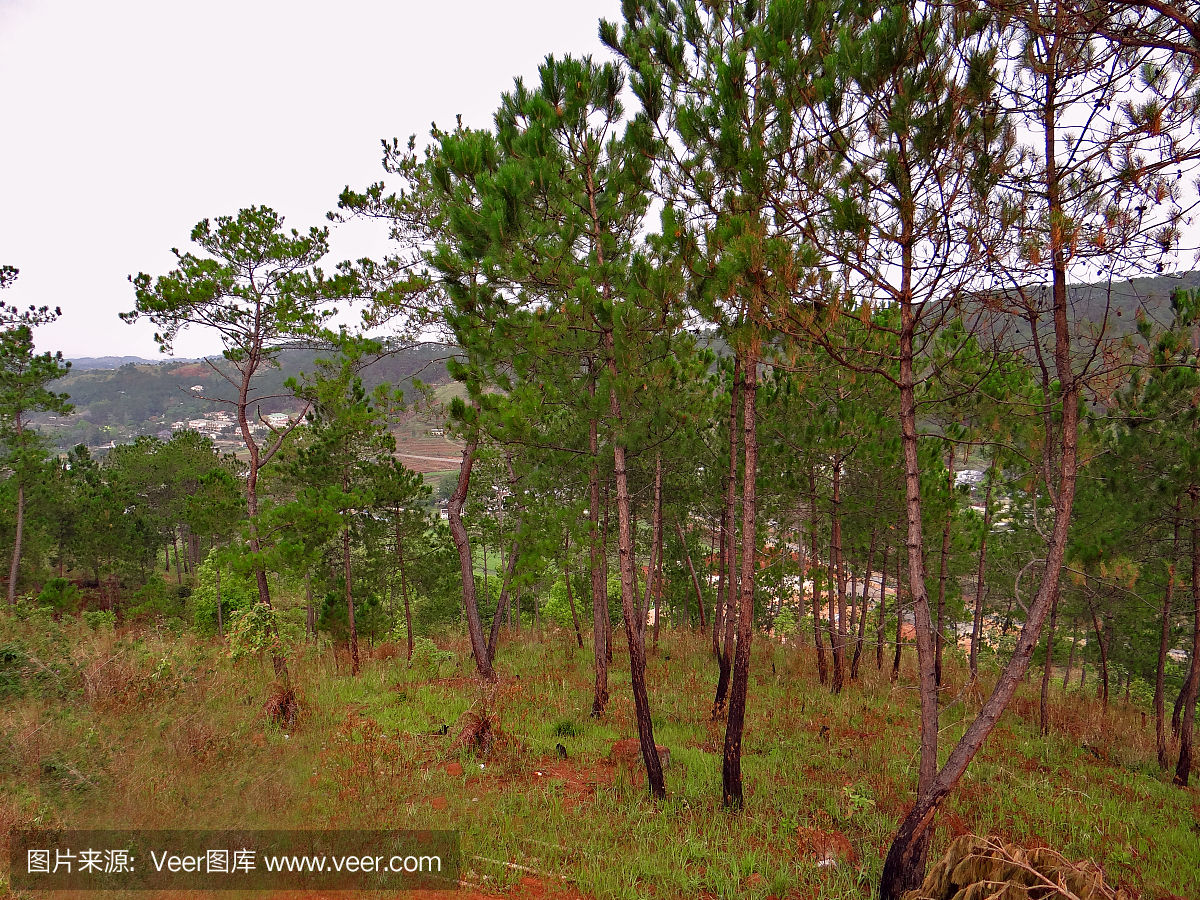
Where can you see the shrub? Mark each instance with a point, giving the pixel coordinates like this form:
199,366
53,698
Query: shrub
253,632
59,595
427,657
238,593
99,619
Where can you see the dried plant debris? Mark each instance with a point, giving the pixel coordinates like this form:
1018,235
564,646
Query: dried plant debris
986,868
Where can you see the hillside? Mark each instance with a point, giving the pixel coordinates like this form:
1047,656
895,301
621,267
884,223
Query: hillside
119,402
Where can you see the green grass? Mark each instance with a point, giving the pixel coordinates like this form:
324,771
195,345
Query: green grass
150,730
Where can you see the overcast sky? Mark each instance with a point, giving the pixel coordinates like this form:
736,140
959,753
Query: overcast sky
124,123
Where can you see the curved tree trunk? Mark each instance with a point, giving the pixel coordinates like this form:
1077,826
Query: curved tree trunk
462,543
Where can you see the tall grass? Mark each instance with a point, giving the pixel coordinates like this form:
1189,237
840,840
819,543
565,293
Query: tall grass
151,729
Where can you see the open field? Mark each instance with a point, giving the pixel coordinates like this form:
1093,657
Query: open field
143,729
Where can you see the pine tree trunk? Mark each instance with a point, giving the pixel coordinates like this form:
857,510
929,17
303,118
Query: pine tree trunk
462,543
731,590
822,666
1047,666
1160,725
977,618
837,636
637,649
571,596
599,579
879,631
1070,658
904,866
718,616
354,661
15,569
939,636
695,581
220,612
1187,729
310,619
404,592
1102,646
731,770
178,565
654,574
862,616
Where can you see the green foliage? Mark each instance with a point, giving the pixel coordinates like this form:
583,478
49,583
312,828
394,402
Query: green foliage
99,619
238,593
254,631
427,658
154,599
333,617
59,595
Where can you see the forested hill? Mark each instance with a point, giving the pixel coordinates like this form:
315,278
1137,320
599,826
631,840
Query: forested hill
119,403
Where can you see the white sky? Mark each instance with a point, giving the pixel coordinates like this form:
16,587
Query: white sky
124,123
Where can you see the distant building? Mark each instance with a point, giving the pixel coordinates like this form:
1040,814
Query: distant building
968,476
437,432
164,435
278,420
197,389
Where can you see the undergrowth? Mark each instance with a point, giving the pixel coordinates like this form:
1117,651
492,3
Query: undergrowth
151,729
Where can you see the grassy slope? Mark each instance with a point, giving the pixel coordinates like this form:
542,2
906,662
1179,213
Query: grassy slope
169,733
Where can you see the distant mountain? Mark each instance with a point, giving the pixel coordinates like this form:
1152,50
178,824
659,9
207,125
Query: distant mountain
115,362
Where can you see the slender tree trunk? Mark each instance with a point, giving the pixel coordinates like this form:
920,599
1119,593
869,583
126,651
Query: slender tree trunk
599,578
940,635
718,616
1102,646
404,593
1160,724
654,575
1187,729
462,543
354,661
178,564
731,590
1070,658
310,618
1047,666
608,639
904,866
570,596
637,649
837,636
899,619
879,631
14,570
822,666
731,770
502,602
862,616
695,580
220,612
977,619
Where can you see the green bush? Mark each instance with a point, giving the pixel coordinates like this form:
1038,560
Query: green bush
99,619
153,600
254,632
238,593
427,657
59,595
